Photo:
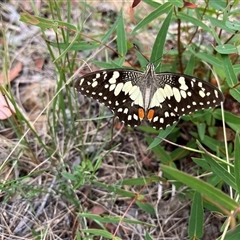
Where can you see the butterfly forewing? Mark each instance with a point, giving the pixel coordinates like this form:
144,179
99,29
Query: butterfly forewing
159,98
112,88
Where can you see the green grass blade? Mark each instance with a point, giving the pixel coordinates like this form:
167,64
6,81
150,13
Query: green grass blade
111,30
147,236
231,119
165,8
228,49
218,23
152,3
121,37
233,234
107,219
177,3
221,172
211,193
102,233
196,22
76,46
235,92
146,207
190,66
158,46
206,57
195,228
228,69
237,161
140,181
162,134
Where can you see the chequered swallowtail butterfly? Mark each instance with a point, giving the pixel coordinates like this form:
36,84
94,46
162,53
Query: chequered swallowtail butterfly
159,98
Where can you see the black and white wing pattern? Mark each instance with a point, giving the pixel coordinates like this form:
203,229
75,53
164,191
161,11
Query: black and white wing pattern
159,98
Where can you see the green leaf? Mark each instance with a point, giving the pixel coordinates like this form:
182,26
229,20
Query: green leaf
234,25
213,195
228,69
148,129
235,93
76,46
228,49
140,181
229,117
211,143
218,5
147,207
147,236
190,66
201,130
36,21
177,3
106,65
237,161
212,60
107,219
218,23
221,171
195,228
44,23
100,232
180,153
202,163
152,3
232,120
117,190
158,46
236,68
165,8
186,18
162,134
233,234
111,30
69,176
121,38
161,154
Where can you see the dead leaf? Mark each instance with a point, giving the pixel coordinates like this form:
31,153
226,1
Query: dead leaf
98,210
232,105
110,227
135,3
12,74
150,164
131,11
189,5
37,96
39,64
6,107
131,15
230,134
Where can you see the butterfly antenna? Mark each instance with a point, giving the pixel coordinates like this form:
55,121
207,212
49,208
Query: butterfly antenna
137,48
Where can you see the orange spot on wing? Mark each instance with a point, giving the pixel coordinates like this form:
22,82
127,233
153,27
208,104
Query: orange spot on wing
141,113
150,115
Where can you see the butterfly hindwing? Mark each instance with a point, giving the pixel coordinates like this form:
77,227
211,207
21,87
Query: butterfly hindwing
177,95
